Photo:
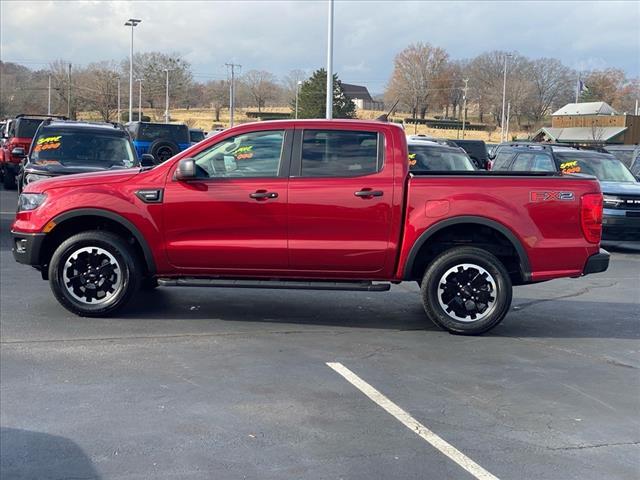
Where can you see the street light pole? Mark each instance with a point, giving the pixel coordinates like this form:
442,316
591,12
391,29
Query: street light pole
464,105
166,99
69,92
139,99
49,97
132,22
329,105
504,97
119,115
232,91
298,83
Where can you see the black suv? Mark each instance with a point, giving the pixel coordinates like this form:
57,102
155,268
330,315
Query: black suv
621,190
162,140
62,147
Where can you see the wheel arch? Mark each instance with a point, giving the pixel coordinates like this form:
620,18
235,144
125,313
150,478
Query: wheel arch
449,224
84,219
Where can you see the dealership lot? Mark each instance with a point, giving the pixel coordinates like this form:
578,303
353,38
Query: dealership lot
206,383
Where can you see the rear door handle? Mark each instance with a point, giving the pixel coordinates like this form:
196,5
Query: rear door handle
368,193
262,194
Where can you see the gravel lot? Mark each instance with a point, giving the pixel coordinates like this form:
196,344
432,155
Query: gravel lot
234,384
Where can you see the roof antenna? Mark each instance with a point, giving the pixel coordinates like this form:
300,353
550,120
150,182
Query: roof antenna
385,116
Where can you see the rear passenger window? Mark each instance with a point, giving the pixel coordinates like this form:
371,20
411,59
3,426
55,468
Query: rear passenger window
522,162
542,163
335,153
502,161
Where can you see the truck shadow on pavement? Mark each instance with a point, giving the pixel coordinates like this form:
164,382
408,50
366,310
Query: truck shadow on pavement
26,454
400,311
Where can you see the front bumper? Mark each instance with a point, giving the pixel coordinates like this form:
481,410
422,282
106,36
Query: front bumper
27,247
620,226
596,263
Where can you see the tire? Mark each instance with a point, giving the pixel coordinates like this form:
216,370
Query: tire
94,274
444,292
9,180
163,150
148,284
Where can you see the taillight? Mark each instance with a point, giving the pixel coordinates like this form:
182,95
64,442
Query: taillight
591,216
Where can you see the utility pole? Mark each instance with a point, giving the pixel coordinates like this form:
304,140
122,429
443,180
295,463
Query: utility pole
504,97
299,82
329,106
166,98
139,99
69,92
119,116
637,107
232,66
506,135
132,22
464,105
49,97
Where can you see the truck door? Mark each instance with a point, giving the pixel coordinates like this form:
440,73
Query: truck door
340,203
233,217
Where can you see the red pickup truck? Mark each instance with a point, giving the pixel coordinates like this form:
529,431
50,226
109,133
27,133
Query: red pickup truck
309,204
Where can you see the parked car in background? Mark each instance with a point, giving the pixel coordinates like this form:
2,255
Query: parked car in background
477,151
18,134
621,190
63,147
196,135
309,204
440,156
215,131
624,153
162,140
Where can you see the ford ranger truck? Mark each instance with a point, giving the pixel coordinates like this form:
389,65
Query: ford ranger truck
310,204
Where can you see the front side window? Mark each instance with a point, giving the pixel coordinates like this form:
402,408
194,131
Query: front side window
67,148
254,154
335,153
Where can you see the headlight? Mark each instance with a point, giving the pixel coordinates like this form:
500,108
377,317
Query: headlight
611,201
30,201
32,177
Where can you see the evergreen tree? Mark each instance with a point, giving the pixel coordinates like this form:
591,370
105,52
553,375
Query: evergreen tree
312,98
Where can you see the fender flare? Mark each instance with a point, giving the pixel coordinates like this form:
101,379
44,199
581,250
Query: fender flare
525,266
97,212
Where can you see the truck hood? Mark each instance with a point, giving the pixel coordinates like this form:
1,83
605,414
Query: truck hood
620,188
81,179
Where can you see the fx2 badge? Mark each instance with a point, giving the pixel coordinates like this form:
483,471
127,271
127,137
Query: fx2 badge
550,196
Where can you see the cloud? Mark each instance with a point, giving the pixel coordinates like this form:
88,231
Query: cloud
280,36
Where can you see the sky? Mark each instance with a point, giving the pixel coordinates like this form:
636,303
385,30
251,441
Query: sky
280,36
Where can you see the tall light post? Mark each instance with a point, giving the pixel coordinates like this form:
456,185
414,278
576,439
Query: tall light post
132,22
464,105
298,83
139,99
504,96
166,98
119,117
329,106
49,97
232,94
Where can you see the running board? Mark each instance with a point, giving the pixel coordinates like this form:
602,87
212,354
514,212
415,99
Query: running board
274,284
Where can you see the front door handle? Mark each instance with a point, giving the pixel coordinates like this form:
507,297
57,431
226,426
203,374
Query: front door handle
368,193
263,194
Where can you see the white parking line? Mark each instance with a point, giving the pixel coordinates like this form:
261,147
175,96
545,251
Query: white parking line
412,424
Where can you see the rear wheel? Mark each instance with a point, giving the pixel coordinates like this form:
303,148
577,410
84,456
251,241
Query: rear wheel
94,273
466,290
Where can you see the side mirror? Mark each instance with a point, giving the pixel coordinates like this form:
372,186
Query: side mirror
18,152
147,160
186,169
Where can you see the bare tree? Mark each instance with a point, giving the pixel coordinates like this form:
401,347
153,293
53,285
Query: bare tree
261,86
550,85
97,87
415,70
217,92
290,84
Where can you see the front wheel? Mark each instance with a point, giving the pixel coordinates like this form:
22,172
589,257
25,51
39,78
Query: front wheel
94,273
466,290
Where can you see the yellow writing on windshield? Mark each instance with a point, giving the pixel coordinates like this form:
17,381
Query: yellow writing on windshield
48,140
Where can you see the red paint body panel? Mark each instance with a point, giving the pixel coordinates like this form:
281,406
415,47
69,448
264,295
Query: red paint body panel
317,227
9,145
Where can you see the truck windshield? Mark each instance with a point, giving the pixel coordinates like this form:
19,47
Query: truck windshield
605,168
89,149
431,158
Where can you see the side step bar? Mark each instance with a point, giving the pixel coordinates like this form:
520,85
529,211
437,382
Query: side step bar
274,284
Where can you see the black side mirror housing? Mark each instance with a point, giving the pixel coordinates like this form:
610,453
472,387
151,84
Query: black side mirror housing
147,160
18,152
186,169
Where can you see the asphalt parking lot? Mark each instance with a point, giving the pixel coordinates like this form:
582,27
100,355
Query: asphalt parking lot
234,384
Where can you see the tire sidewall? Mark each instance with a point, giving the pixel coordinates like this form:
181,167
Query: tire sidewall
160,144
116,247
471,255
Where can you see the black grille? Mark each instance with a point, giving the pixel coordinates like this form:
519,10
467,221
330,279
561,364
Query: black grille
628,203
